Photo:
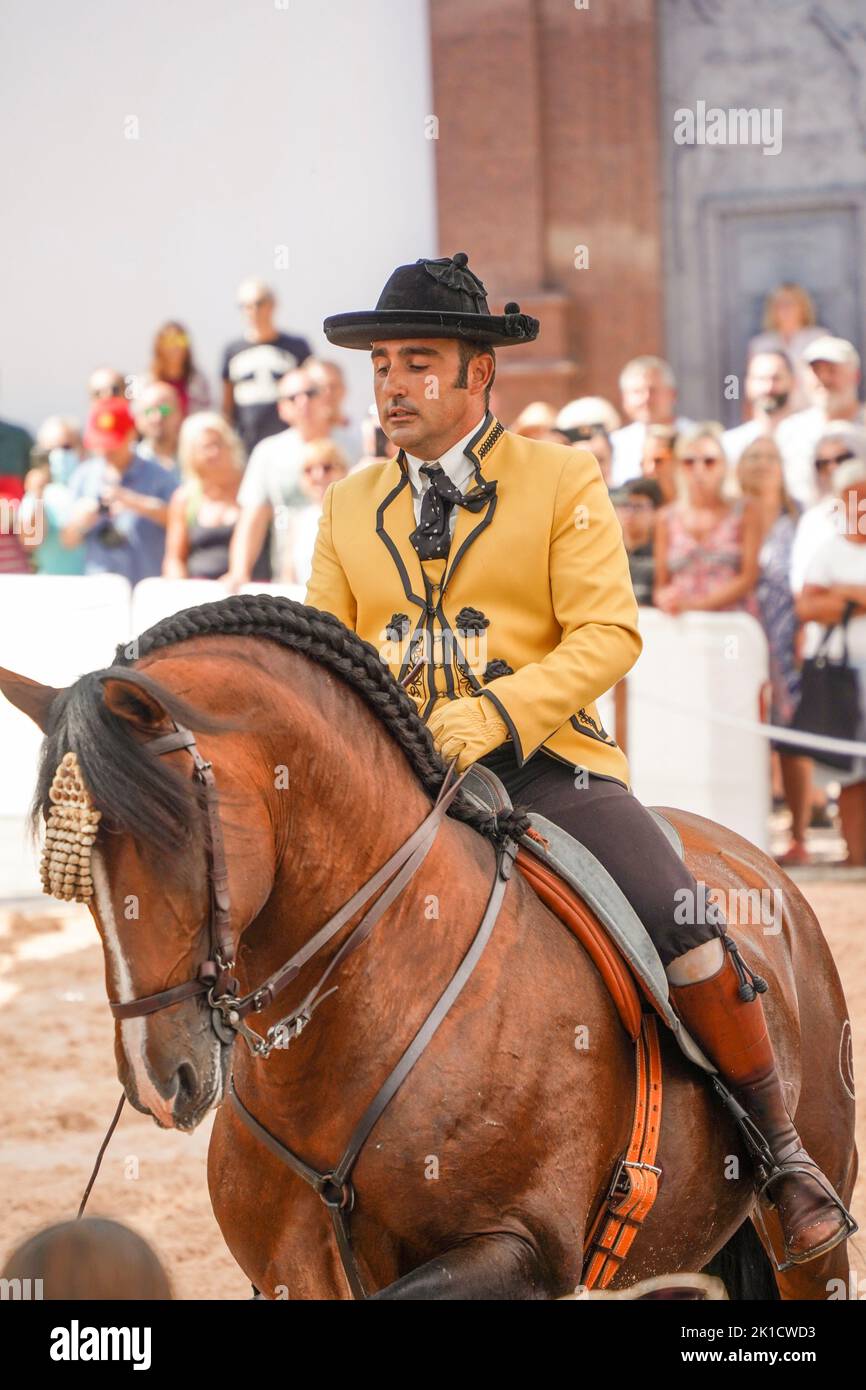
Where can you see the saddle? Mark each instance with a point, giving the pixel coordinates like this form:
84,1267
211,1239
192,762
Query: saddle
578,889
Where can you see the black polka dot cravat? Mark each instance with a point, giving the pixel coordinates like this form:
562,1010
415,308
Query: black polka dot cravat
432,536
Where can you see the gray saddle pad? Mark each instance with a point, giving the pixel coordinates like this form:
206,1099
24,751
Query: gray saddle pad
592,882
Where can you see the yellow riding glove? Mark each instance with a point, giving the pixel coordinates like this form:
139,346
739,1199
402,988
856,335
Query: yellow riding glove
468,727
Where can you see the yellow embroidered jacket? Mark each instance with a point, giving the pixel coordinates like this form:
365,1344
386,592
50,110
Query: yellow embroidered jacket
533,608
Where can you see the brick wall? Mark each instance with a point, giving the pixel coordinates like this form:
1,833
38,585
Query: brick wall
548,141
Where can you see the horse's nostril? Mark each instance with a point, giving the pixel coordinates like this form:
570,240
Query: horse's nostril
186,1085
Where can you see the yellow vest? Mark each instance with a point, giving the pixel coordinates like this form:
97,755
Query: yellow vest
533,608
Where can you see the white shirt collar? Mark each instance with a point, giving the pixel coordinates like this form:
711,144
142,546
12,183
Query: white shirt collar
454,462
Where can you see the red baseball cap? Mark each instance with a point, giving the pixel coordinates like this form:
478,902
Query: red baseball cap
109,423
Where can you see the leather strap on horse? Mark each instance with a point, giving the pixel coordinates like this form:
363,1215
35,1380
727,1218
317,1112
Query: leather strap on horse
214,975
335,1188
407,859
216,971
635,1181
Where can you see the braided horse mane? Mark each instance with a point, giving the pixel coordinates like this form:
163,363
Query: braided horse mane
328,642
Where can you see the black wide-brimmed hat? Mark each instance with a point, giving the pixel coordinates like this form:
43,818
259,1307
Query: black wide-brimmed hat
432,299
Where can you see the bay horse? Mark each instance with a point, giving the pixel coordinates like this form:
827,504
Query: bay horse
481,1177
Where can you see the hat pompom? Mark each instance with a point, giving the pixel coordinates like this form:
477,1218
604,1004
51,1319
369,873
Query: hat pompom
519,327
460,260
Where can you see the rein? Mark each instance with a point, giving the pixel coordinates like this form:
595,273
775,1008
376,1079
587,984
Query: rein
215,978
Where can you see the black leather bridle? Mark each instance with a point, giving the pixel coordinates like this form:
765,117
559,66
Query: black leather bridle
214,974
229,1011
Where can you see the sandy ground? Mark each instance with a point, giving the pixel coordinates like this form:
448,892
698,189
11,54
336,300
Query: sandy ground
59,1092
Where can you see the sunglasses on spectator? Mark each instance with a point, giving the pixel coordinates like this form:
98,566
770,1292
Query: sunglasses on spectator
159,410
253,303
706,461
311,394
576,434
834,458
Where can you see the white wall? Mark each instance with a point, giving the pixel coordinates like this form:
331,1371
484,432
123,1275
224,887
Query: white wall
262,123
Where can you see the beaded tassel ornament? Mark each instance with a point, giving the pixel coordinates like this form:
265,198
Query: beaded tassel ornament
69,835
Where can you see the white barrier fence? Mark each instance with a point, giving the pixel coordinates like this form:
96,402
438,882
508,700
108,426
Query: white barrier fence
55,629
155,599
691,668
52,629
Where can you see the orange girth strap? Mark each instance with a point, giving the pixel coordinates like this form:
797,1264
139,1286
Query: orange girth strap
635,1181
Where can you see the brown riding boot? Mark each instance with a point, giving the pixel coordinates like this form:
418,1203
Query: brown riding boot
731,1029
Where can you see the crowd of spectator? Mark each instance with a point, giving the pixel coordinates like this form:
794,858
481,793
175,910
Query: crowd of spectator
768,518
763,517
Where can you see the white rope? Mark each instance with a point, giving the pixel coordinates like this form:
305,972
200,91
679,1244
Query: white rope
768,731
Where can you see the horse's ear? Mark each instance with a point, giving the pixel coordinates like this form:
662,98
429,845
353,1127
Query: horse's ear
29,696
134,704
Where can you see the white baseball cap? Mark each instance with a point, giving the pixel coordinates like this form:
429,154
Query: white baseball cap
828,349
589,410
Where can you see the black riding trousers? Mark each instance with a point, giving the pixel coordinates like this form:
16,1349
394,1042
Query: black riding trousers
619,830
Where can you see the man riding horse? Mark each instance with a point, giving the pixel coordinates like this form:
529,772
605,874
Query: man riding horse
490,572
